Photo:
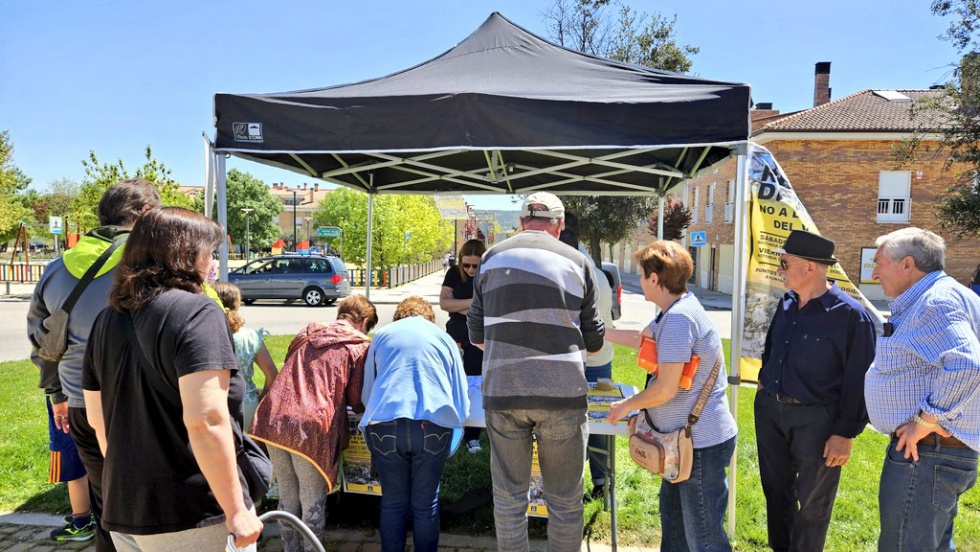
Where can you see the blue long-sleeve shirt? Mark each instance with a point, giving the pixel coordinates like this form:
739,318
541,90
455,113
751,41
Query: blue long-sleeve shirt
413,370
820,354
931,362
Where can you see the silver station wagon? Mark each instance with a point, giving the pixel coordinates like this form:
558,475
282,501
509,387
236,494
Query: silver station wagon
315,279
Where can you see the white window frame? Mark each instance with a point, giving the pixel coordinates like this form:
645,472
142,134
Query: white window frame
730,203
709,208
894,196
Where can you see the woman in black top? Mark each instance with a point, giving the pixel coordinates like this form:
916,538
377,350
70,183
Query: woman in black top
455,298
171,480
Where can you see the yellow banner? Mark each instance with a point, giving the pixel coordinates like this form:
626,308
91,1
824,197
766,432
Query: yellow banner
774,211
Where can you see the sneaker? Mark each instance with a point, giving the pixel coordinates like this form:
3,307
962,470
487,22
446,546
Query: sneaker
473,446
71,533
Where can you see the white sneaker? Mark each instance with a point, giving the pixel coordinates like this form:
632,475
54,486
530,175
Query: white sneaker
474,446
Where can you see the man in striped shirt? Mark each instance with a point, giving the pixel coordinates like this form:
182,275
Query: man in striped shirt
924,391
535,313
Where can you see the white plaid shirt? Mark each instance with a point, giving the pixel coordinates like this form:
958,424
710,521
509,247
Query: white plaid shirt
931,361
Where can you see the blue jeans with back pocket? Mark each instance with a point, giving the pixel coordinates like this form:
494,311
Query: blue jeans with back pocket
918,500
409,456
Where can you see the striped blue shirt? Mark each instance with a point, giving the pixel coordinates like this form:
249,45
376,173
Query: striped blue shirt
931,361
681,330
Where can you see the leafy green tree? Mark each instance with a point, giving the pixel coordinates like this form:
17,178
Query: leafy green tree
100,176
959,106
13,184
394,215
247,192
635,38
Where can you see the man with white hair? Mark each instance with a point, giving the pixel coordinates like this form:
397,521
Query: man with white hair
924,391
535,313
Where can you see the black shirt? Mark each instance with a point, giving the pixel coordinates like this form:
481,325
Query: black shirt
819,355
456,327
152,483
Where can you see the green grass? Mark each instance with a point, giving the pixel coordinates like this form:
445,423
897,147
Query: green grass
24,464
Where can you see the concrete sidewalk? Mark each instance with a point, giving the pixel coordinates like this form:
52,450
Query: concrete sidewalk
29,532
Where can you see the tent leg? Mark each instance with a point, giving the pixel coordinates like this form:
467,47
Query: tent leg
660,217
222,185
370,240
738,305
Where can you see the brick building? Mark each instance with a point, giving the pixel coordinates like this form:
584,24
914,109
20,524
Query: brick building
839,156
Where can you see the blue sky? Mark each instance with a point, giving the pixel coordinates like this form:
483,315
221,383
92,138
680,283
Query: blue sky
114,76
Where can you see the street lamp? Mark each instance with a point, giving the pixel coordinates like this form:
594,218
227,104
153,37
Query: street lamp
248,236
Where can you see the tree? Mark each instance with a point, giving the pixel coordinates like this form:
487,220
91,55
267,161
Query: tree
13,184
246,191
639,39
100,176
959,106
677,218
394,215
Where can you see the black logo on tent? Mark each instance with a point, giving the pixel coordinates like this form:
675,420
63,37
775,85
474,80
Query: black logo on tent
247,132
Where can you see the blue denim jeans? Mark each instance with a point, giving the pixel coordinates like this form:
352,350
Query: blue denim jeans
561,438
918,500
409,456
599,445
692,512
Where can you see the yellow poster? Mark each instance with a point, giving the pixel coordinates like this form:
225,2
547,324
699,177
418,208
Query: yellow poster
774,211
357,464
536,505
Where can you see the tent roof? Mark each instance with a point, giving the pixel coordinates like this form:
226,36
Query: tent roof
503,111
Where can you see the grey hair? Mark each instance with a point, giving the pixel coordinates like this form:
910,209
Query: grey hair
927,249
551,222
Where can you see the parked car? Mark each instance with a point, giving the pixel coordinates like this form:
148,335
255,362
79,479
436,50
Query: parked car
615,282
317,280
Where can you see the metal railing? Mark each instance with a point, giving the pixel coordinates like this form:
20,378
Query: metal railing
393,277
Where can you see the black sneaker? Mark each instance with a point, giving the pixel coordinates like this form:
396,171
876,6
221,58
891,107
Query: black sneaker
71,533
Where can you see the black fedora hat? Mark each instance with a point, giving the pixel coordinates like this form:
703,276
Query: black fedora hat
811,247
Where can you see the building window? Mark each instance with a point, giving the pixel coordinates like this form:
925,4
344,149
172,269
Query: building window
894,204
730,203
709,209
694,208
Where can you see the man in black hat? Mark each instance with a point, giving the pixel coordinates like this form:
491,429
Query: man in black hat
810,403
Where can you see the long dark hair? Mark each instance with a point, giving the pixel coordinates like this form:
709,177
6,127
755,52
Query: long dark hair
161,254
470,248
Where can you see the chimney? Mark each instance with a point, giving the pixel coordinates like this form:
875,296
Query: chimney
316,186
304,185
764,106
821,84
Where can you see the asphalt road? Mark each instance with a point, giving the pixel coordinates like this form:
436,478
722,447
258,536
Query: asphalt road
279,318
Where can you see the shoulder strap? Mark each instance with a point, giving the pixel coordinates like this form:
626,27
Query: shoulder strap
299,345
89,275
705,391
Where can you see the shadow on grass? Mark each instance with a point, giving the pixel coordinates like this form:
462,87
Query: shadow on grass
54,500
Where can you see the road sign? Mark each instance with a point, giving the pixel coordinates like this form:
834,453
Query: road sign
55,224
328,232
698,239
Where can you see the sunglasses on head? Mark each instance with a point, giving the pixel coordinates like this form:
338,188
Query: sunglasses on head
473,266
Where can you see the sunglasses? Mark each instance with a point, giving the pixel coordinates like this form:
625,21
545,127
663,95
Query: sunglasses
468,266
784,264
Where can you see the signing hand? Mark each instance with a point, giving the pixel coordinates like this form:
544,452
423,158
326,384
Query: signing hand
837,451
617,411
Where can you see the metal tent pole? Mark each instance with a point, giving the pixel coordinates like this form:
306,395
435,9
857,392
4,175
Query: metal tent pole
741,251
222,185
370,236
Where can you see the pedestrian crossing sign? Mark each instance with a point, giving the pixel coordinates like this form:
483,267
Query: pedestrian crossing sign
698,239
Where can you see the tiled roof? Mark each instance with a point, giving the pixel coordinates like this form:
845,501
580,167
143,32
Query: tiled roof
865,111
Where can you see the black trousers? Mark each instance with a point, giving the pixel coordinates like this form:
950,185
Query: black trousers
91,455
800,489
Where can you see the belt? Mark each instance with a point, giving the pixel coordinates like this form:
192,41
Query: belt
938,440
785,399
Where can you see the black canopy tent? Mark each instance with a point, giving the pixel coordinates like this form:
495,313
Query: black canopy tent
504,111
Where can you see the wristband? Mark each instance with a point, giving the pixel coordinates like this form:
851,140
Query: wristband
922,422
58,397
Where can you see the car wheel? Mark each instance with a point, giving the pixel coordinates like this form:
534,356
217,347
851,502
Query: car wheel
248,301
329,302
313,296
